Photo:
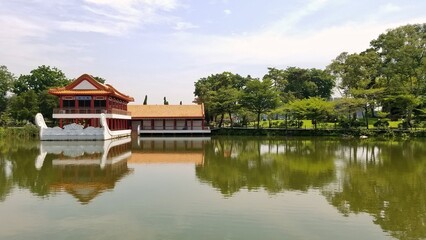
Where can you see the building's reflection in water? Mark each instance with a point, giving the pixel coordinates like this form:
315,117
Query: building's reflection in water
169,151
85,169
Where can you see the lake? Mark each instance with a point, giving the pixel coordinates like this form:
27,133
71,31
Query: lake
218,188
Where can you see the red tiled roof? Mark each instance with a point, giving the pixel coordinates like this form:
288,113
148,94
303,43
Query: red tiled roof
166,111
101,89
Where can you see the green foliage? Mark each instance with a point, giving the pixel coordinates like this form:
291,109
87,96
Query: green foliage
297,83
6,80
392,73
349,123
220,94
31,94
165,101
40,79
381,124
24,107
259,97
99,79
26,132
315,109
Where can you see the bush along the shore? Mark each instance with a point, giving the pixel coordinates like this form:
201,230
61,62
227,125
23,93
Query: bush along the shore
26,132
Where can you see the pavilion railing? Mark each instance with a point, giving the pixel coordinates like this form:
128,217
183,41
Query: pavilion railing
90,111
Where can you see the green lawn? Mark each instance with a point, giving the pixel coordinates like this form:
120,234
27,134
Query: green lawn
307,124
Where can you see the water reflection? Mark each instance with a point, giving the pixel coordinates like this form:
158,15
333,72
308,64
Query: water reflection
82,169
270,164
386,180
169,151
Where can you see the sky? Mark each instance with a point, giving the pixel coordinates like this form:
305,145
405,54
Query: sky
160,48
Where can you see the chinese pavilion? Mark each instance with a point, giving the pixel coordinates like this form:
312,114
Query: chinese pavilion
83,101
88,110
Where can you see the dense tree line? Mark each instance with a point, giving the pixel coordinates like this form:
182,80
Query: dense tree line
22,97
386,81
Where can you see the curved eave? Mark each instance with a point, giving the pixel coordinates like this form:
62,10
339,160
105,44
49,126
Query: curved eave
91,93
169,117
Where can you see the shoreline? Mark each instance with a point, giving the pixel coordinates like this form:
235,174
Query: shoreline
276,132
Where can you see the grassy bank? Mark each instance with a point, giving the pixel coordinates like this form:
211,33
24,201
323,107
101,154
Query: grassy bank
25,133
356,132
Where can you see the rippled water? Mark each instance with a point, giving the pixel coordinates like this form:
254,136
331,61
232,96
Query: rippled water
220,188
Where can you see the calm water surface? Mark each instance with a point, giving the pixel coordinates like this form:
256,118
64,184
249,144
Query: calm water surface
220,188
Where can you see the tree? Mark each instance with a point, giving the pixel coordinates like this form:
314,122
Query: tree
6,81
24,107
279,81
347,107
145,100
259,97
38,83
40,79
99,79
402,52
360,77
391,73
165,101
218,93
316,109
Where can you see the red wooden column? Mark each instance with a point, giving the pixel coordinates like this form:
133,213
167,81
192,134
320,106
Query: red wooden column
107,103
164,124
174,124
76,108
92,110
192,124
61,104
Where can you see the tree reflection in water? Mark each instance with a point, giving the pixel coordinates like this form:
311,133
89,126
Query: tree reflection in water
383,179
275,165
386,180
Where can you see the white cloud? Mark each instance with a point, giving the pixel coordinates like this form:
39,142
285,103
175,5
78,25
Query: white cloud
390,8
132,6
289,21
227,11
267,48
110,29
119,17
181,26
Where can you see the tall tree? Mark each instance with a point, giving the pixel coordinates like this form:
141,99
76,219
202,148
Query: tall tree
298,83
40,79
402,51
38,82
24,107
145,100
360,77
259,97
6,81
219,93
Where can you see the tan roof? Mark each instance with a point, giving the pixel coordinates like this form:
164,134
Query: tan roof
166,111
101,89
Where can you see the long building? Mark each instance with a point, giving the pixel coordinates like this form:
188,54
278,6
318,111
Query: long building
90,110
168,119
